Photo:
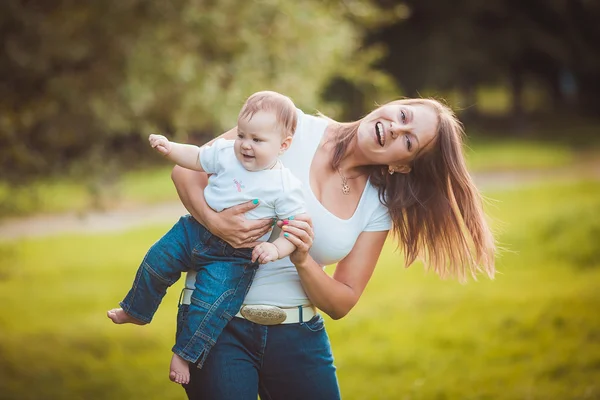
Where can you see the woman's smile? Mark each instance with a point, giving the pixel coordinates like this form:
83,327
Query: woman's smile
380,134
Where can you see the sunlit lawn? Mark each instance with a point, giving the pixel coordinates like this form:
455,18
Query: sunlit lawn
533,333
149,186
511,154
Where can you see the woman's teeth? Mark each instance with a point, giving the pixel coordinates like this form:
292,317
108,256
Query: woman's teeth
380,133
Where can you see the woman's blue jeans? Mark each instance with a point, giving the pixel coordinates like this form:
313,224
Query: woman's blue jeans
224,276
279,362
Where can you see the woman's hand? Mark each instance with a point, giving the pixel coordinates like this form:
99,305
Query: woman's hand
299,232
232,226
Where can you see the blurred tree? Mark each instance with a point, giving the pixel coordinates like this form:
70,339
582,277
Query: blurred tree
80,81
462,44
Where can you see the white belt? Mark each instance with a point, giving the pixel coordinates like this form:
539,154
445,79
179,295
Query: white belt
273,315
265,314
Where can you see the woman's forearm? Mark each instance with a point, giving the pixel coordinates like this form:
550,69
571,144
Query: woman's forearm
190,188
336,295
332,297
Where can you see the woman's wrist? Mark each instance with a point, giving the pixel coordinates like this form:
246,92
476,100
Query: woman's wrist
208,219
305,264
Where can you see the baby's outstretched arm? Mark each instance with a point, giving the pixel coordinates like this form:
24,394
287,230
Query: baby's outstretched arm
184,155
267,252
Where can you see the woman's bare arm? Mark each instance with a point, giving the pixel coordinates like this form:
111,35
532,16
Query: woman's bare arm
190,189
336,295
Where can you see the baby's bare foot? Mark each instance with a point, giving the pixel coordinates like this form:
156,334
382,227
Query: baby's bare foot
180,370
118,316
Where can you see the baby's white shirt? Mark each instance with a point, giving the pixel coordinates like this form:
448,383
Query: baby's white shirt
278,191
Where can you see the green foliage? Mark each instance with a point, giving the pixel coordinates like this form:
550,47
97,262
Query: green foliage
531,333
464,44
82,81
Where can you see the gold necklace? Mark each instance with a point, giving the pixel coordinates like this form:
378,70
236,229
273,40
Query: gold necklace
345,187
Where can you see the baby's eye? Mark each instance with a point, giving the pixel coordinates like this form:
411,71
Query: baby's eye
403,116
240,136
257,140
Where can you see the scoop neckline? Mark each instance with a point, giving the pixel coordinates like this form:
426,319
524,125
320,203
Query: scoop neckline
362,196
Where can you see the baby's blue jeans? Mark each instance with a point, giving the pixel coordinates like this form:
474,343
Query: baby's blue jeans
224,276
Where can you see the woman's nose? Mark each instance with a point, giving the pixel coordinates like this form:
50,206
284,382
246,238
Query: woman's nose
397,130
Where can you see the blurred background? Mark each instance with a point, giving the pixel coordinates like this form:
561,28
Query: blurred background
82,196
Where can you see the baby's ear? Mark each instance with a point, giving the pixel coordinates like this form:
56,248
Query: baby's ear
287,142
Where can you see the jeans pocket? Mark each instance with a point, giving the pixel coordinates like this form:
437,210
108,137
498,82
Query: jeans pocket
315,324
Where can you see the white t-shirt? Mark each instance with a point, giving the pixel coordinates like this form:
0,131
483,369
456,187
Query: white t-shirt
277,283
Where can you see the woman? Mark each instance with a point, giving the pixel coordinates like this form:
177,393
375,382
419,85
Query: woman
401,167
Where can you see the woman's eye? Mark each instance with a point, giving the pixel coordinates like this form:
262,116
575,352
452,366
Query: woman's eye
403,116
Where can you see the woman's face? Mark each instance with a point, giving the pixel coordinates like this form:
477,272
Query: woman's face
395,133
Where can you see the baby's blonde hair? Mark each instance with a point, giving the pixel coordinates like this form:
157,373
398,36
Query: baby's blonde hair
282,106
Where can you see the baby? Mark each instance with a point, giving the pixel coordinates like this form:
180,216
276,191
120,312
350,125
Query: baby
244,169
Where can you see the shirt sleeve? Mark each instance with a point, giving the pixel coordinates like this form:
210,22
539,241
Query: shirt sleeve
209,156
380,219
291,202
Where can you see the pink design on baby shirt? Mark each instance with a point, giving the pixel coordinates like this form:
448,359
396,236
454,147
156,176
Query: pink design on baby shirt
238,185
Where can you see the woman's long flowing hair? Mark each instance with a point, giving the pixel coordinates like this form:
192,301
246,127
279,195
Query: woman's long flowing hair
436,209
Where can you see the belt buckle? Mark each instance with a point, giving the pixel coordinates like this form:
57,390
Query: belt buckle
263,315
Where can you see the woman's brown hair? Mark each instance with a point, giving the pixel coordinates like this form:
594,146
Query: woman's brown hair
437,211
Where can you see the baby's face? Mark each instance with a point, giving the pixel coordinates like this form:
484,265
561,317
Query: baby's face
259,141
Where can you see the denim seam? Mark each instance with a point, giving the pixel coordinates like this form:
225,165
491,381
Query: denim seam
211,307
264,390
199,249
156,274
247,271
263,345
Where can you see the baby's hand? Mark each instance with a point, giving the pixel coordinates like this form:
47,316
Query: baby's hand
160,144
265,252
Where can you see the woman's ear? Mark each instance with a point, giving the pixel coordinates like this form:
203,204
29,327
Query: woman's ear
287,142
401,169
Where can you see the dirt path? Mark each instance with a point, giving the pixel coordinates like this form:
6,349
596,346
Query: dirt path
122,219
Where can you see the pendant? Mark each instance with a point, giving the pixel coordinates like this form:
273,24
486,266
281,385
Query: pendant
345,188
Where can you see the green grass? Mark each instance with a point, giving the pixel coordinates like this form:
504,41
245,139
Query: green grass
532,333
512,154
150,186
